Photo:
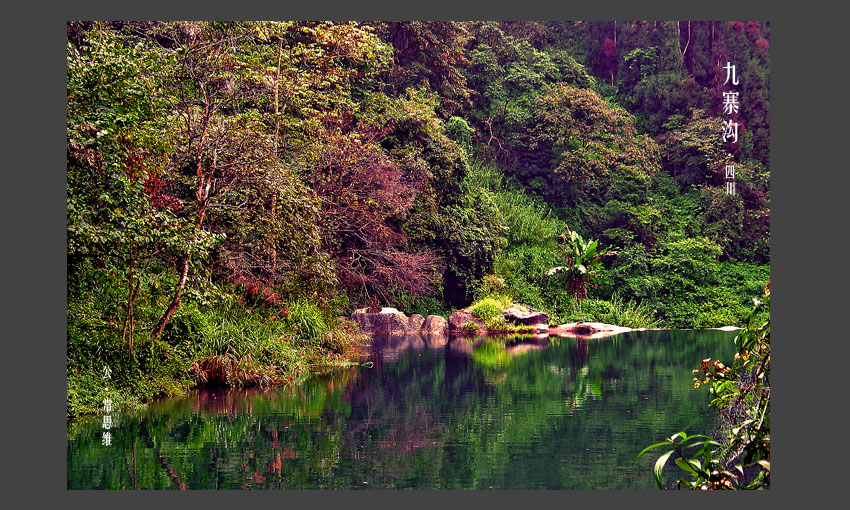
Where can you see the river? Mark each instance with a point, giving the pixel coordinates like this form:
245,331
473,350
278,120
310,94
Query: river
450,413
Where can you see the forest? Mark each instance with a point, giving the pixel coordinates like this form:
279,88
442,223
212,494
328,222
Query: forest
235,190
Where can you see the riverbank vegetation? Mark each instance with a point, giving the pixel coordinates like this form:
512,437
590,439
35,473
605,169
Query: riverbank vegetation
740,457
236,187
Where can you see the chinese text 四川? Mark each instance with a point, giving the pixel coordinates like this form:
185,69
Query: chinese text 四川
730,127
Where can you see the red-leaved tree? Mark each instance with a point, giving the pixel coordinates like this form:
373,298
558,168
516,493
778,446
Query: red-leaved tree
365,196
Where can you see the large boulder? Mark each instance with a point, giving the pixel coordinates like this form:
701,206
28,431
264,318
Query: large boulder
515,314
585,328
415,322
458,322
435,325
589,330
519,314
388,321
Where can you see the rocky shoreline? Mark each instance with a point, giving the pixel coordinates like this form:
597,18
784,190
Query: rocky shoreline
390,321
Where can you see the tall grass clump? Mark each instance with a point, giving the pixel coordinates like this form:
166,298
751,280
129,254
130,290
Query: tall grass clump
617,311
632,314
233,346
531,238
305,321
485,176
528,218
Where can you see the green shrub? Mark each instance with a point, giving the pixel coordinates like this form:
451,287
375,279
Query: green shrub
86,392
492,284
684,283
490,307
523,269
188,323
497,323
460,132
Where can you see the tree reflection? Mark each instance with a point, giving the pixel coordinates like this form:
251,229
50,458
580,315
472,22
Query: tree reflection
449,414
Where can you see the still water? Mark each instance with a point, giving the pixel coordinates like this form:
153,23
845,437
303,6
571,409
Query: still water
488,413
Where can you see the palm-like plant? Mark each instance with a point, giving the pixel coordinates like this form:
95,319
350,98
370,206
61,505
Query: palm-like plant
583,259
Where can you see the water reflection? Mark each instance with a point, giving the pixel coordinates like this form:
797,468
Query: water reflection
389,348
430,413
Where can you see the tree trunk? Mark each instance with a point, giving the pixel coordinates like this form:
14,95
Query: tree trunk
133,293
276,135
679,41
202,194
130,297
277,98
576,286
175,301
615,53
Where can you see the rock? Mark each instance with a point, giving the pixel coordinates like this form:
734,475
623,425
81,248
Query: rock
519,314
460,318
435,325
541,328
388,322
415,322
583,328
589,330
516,314
360,318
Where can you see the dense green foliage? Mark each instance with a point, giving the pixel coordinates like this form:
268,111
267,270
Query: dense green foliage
235,187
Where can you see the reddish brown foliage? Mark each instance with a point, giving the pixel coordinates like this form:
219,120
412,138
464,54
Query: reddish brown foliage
608,48
763,46
753,29
365,194
154,188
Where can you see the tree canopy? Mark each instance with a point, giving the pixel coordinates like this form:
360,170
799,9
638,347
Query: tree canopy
278,166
